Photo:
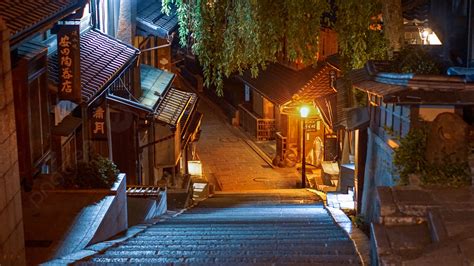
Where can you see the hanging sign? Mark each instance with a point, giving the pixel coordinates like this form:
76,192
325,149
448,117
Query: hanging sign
69,63
98,122
312,125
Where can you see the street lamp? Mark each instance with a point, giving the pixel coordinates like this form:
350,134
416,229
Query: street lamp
304,111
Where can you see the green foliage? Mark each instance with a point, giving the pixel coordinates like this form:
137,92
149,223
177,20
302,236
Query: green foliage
359,35
415,60
451,173
99,172
409,158
231,36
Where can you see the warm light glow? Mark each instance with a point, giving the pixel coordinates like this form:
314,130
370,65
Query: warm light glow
195,168
429,37
304,111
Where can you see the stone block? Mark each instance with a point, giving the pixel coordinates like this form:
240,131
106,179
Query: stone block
3,194
12,181
11,221
380,240
386,202
467,249
5,156
4,230
18,207
7,122
8,85
437,227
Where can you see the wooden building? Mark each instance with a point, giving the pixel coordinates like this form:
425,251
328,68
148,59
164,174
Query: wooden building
28,22
154,28
271,110
396,102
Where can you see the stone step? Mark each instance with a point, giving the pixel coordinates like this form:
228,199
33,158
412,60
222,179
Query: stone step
267,241
233,260
243,235
251,248
221,253
240,227
309,232
284,227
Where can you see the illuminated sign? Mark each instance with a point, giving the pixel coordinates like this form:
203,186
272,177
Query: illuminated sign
98,122
69,63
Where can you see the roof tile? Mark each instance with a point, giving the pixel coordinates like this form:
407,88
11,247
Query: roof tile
102,57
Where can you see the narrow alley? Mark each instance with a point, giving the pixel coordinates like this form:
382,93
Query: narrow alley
230,162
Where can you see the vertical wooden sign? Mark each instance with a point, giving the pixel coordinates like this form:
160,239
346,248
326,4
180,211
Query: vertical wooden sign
98,122
69,63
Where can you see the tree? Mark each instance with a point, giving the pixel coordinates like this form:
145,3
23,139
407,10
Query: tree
229,36
359,31
393,23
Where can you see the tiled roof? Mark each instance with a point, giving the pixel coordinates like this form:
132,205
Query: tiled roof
102,58
154,83
319,85
23,17
172,106
151,20
378,88
416,9
416,89
279,83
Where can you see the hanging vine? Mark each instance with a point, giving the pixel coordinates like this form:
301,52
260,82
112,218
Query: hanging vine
360,35
230,36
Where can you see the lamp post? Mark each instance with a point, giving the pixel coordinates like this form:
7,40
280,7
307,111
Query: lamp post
304,111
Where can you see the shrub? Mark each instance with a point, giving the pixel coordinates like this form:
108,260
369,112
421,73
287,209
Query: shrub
409,158
99,172
415,60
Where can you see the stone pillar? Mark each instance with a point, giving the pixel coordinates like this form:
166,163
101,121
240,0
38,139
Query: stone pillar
12,248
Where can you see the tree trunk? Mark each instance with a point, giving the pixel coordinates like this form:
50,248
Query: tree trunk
393,23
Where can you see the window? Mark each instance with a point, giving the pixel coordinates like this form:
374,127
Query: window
39,130
247,93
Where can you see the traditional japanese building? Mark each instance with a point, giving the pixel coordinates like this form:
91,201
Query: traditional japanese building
271,110
25,112
396,104
155,29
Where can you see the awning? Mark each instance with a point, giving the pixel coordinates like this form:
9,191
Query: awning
25,18
102,60
151,21
378,88
171,108
154,83
193,130
67,126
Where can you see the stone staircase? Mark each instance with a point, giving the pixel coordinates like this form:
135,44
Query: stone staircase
276,227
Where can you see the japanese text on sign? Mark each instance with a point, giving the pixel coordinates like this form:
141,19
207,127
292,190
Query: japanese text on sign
68,62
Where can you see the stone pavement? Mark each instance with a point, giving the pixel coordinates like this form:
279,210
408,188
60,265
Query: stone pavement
267,227
230,162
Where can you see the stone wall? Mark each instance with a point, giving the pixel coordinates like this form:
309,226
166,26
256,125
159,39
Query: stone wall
12,249
379,171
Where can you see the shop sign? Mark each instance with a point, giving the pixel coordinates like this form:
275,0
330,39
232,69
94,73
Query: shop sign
312,125
69,63
98,122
